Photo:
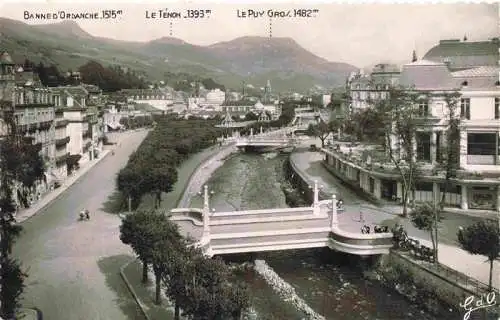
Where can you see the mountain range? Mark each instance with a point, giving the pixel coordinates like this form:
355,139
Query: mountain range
251,59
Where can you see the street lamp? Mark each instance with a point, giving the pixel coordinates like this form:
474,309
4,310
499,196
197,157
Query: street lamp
316,189
206,198
206,213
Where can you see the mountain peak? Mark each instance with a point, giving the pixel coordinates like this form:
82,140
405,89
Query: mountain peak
258,41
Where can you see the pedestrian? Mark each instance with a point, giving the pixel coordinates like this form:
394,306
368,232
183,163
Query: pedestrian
361,218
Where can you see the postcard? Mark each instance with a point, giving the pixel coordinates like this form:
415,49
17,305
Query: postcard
275,160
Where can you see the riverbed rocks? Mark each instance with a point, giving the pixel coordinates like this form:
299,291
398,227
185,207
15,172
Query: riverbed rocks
285,290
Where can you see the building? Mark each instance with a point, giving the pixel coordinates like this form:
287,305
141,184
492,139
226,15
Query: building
159,98
83,125
461,55
363,89
478,89
215,97
34,115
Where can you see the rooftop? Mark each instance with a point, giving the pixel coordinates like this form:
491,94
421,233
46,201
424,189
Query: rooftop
465,54
386,68
483,71
72,90
427,75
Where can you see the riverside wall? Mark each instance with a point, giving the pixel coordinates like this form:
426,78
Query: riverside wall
427,287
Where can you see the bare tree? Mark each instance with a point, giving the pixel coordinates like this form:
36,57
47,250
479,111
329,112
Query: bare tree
401,117
450,157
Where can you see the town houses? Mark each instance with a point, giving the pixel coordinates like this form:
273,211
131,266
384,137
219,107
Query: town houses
63,120
471,71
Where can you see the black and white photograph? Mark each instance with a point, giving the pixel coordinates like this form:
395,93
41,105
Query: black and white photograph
190,160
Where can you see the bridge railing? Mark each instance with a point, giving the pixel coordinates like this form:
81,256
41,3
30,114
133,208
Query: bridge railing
357,239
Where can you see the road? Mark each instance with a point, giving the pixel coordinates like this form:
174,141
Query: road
74,266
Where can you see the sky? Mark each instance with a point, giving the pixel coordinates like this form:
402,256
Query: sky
359,34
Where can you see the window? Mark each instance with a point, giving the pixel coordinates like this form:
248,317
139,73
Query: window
497,108
423,109
481,143
465,108
423,140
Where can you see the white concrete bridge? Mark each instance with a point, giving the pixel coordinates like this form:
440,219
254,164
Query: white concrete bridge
277,229
278,139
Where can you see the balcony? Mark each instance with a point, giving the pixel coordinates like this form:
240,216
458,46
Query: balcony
34,105
62,159
62,142
45,125
61,123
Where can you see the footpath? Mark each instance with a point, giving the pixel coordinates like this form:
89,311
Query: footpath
360,213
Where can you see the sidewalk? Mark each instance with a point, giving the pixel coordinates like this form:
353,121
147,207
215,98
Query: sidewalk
50,196
25,214
475,266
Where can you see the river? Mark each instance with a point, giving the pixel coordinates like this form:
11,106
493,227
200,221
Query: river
331,283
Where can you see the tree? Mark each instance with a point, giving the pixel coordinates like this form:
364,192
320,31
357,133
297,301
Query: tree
450,153
129,182
426,217
482,238
210,294
159,179
335,125
21,166
414,56
135,231
166,243
400,117
321,130
179,278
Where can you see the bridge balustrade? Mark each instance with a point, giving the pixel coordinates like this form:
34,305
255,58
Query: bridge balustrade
279,229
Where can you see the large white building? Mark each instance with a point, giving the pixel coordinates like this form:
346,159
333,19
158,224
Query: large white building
470,69
215,97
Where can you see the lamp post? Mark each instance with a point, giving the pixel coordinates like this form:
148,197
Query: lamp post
315,203
334,218
206,212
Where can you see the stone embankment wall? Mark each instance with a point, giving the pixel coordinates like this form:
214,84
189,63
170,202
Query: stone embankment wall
303,189
351,184
439,295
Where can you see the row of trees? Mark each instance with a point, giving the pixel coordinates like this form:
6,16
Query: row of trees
152,168
182,81
201,287
109,79
137,121
21,167
112,78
